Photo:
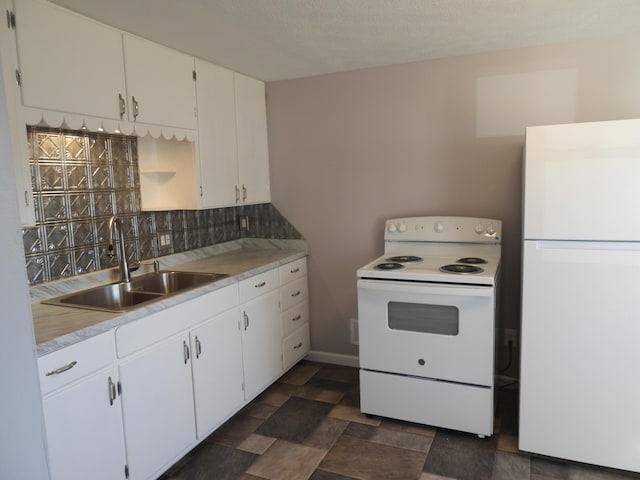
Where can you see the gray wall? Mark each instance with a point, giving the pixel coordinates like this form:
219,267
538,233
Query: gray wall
22,450
445,137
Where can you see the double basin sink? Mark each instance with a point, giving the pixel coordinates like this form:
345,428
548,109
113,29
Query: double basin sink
122,297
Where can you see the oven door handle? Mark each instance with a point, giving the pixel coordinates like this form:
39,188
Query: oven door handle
426,288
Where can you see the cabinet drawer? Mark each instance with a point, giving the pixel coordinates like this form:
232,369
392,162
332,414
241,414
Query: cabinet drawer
295,346
258,285
75,361
294,318
293,271
293,293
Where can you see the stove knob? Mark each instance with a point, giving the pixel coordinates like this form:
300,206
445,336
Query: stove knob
438,227
393,228
402,227
479,228
491,229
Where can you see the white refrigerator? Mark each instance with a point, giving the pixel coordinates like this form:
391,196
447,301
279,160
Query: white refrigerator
580,337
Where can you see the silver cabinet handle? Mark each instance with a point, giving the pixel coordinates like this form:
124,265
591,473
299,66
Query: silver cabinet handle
61,369
136,107
296,318
198,348
112,391
123,106
237,194
295,270
260,285
244,193
295,347
185,348
246,320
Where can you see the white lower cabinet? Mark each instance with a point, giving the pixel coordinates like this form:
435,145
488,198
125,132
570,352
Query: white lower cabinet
295,312
131,408
82,413
157,404
261,332
216,350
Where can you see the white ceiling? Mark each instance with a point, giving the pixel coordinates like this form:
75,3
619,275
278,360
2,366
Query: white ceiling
283,39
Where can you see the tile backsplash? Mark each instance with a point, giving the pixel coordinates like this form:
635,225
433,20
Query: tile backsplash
80,179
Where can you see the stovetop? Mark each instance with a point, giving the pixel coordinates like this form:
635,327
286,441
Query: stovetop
468,249
433,258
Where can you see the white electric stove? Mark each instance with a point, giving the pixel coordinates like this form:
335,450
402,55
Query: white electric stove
427,322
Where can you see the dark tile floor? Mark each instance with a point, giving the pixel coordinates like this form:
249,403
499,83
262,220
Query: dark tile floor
307,426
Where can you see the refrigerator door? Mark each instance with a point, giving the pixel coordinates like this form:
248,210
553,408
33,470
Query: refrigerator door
582,181
580,380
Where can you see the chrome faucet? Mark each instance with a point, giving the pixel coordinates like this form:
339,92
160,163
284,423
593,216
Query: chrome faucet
125,274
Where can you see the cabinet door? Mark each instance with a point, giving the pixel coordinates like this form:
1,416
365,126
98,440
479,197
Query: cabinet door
261,342
19,147
160,85
68,63
157,406
253,150
84,430
217,370
217,146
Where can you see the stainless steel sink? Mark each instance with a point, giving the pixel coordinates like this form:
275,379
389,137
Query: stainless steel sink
122,297
171,282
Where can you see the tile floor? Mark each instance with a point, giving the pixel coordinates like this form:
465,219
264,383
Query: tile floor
307,426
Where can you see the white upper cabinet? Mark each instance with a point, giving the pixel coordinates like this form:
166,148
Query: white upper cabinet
68,63
232,136
19,146
217,142
253,149
160,84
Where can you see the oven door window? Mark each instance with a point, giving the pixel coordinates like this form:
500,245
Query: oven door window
423,318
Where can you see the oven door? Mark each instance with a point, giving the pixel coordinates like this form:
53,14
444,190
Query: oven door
439,331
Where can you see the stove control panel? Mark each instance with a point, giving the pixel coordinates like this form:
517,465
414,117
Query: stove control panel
444,229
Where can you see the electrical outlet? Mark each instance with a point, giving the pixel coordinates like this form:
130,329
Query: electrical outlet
510,335
164,239
244,223
355,333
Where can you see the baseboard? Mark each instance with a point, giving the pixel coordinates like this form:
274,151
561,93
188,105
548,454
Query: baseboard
333,358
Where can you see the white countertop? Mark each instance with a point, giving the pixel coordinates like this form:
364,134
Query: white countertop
58,326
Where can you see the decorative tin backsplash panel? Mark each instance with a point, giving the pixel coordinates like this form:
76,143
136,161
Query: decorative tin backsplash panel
80,179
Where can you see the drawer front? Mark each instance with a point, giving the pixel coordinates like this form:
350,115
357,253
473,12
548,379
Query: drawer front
75,361
292,271
294,318
293,293
258,285
295,346
441,404
157,326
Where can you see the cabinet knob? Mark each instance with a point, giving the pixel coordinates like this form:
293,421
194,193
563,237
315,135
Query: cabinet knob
123,105
185,348
136,107
112,391
57,371
198,348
